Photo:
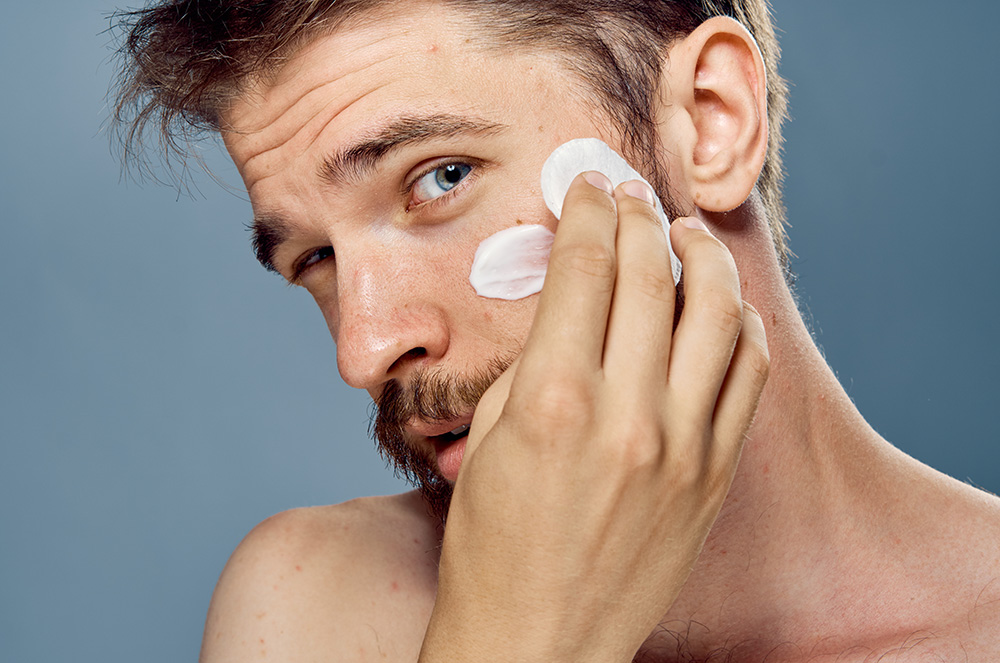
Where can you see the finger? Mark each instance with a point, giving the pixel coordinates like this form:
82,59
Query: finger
572,313
744,382
710,322
642,309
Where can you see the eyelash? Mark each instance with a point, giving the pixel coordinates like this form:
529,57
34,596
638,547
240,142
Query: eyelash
474,164
301,265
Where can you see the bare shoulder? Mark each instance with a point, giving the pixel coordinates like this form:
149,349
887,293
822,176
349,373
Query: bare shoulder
967,569
348,582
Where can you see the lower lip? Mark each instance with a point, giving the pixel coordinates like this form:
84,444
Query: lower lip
449,459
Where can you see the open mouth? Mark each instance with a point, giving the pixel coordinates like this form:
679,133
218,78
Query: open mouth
451,436
450,450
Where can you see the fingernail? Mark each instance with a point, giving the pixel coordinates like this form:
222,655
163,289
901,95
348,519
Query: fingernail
600,181
639,189
694,223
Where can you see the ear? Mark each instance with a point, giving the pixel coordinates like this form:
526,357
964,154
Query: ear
716,112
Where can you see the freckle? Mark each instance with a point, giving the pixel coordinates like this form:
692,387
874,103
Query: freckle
767,468
774,318
722,552
261,615
519,222
416,540
274,587
262,641
898,541
298,568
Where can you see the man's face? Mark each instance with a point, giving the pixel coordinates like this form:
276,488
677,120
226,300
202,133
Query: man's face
377,159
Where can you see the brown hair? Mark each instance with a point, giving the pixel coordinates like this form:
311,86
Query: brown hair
182,60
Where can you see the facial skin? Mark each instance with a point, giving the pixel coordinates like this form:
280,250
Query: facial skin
386,249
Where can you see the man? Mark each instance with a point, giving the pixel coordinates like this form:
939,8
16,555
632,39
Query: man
598,511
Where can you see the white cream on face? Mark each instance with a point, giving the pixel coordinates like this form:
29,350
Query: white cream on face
511,263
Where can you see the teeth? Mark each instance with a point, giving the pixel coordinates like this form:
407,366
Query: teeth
461,429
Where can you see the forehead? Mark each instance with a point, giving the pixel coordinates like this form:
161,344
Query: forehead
422,59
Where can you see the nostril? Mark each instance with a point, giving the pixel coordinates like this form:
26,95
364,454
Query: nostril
409,355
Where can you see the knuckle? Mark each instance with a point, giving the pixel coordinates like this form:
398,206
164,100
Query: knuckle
635,447
557,402
756,361
658,285
723,310
589,258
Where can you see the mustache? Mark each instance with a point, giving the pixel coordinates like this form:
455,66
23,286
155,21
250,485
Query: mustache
430,395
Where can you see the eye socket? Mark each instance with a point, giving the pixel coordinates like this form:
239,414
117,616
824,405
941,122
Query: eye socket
438,182
309,259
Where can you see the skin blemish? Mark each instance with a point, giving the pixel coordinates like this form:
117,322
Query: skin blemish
519,222
261,615
298,568
395,586
433,48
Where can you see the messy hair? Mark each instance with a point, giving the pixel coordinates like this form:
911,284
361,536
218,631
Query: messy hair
183,61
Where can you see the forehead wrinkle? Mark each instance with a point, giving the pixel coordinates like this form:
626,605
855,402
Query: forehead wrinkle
281,126
310,131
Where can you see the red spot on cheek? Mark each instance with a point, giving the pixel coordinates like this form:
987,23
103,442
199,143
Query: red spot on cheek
298,568
395,586
767,469
433,48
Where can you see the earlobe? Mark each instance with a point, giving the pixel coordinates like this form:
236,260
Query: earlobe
716,78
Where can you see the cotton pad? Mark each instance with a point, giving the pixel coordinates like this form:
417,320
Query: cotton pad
583,154
511,264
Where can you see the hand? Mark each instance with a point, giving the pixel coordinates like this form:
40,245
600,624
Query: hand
598,463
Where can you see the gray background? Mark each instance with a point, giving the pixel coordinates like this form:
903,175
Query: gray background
160,394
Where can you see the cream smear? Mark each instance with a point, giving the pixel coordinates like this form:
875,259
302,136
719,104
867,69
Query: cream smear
511,264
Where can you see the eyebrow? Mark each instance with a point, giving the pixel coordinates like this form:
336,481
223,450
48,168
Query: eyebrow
356,162
267,232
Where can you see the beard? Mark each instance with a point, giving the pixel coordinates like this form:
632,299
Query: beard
430,396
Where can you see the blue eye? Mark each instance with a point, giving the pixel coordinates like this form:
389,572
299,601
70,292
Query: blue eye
439,181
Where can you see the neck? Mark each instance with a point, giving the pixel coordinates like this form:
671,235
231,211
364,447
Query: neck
810,499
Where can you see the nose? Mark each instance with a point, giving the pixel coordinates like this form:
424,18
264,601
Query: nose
388,322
